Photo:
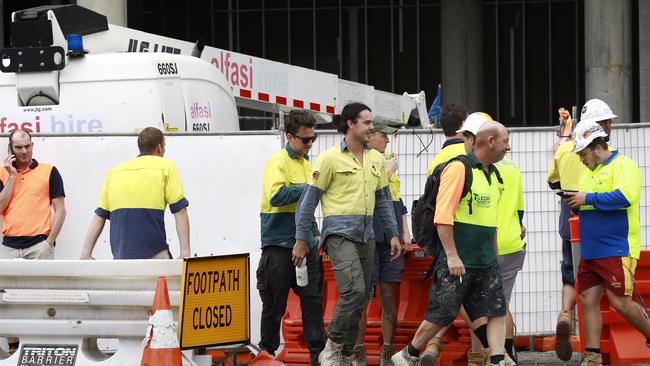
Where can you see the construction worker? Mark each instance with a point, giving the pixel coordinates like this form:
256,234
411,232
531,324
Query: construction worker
478,352
512,248
285,178
386,272
610,236
451,120
134,197
32,202
350,182
564,173
467,272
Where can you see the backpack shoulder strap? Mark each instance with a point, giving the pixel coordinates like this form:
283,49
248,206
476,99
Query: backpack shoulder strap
467,186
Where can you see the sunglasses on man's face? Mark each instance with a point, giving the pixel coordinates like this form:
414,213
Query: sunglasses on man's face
305,140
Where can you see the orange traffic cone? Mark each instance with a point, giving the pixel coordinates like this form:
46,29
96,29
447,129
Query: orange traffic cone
161,346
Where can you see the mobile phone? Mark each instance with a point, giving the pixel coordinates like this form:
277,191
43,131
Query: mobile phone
10,149
562,194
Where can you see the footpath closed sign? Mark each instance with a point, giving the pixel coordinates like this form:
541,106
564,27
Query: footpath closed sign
215,301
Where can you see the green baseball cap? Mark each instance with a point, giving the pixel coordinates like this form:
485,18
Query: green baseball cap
381,126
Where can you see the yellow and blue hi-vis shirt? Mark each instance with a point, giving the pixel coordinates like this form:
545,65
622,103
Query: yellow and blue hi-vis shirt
285,178
348,193
609,221
450,149
510,208
134,197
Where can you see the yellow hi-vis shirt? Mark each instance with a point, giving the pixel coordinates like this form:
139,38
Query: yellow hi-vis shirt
566,167
285,178
348,191
510,209
450,149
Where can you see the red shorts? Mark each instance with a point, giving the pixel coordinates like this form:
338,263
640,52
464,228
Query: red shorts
615,273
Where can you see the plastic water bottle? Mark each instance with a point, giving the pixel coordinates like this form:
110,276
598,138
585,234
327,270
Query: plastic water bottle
301,274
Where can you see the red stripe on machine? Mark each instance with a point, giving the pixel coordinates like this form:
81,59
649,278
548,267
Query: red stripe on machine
298,103
330,109
263,97
314,107
245,93
281,100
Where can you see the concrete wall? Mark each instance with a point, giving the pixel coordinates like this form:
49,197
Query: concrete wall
644,60
608,55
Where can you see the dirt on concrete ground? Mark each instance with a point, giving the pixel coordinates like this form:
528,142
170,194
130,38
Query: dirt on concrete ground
545,358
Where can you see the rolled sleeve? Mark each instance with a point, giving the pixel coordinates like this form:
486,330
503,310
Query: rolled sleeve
174,193
175,207
103,213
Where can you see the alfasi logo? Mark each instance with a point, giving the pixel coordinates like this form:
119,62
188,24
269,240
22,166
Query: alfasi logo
482,201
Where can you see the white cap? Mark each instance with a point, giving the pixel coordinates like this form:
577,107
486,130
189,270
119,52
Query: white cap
584,133
596,110
474,122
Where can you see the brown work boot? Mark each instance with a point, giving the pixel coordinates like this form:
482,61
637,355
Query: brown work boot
359,356
591,359
508,360
478,358
432,352
387,351
563,347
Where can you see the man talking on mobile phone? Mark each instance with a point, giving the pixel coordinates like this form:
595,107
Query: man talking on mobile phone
29,192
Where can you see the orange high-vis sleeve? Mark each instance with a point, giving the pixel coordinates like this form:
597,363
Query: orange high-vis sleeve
449,193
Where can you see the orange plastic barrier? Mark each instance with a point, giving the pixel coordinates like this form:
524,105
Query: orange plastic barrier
412,297
620,343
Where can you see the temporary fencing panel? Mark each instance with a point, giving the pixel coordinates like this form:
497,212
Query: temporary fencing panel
536,299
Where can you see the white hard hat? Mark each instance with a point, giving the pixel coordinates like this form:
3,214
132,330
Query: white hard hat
584,133
474,122
596,110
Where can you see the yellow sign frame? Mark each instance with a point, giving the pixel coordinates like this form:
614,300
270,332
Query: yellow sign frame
208,282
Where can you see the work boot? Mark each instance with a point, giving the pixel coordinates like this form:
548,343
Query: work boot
432,352
563,347
508,360
387,351
332,355
591,359
478,358
402,358
359,356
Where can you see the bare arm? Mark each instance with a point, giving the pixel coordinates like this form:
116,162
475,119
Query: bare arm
58,204
95,228
8,190
183,231
406,235
446,233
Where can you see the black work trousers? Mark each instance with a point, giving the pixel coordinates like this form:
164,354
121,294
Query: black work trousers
276,274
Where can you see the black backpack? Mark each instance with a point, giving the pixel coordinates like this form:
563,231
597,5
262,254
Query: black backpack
423,210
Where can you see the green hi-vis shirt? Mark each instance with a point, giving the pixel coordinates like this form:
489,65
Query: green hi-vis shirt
285,178
475,218
511,208
348,192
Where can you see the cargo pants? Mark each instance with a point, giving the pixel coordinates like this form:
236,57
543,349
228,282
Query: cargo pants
352,264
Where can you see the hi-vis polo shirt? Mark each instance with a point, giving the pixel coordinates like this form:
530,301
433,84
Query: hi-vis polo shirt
450,149
134,197
348,193
566,168
285,178
27,220
474,217
510,209
609,222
